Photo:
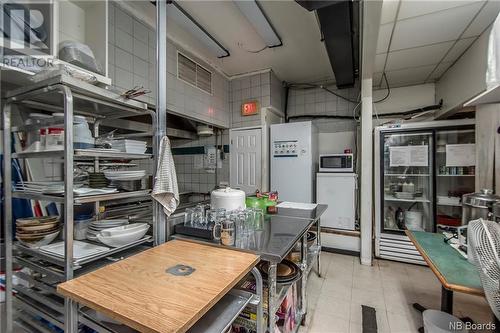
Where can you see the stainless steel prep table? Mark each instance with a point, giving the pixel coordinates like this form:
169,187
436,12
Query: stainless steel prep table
281,232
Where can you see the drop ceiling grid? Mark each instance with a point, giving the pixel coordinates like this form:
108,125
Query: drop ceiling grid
389,43
483,4
401,50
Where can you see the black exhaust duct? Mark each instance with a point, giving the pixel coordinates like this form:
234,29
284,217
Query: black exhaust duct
339,26
311,5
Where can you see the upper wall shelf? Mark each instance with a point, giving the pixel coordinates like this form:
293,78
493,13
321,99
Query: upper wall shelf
489,96
88,99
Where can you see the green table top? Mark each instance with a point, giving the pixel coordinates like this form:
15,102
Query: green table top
451,268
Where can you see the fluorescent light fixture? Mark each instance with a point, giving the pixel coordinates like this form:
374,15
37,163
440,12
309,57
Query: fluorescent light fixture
187,22
255,15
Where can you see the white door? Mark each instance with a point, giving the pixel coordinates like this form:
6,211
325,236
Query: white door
245,166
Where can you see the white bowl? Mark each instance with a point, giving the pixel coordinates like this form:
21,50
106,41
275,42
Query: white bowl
122,239
125,229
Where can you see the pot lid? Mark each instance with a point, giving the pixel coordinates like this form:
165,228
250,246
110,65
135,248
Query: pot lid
228,192
483,199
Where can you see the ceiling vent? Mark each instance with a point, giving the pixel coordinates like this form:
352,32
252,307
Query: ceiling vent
193,73
339,25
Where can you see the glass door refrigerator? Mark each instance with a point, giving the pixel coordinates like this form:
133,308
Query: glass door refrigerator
421,171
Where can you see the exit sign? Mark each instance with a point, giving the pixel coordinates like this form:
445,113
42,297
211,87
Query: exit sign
249,108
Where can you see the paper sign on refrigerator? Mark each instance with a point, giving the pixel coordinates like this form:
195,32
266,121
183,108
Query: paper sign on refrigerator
461,155
409,156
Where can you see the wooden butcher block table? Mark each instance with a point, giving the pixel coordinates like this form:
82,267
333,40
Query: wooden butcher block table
139,292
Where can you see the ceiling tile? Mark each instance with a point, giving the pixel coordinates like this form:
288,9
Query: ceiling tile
380,62
408,76
439,71
484,19
412,8
458,49
389,10
384,36
417,57
433,28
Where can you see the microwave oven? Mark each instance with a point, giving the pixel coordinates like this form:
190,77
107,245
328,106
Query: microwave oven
336,163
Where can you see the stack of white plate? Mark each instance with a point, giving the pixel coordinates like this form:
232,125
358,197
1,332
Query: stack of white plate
129,146
96,227
38,187
120,236
125,175
81,250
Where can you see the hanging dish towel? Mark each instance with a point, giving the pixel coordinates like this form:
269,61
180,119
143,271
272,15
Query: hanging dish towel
165,189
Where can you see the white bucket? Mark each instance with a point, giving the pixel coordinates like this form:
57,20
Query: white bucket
441,322
414,220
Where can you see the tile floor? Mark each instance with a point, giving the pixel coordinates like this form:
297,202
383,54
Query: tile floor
335,299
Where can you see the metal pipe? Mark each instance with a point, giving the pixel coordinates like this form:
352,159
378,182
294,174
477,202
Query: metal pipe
159,225
96,167
70,307
271,301
7,186
259,292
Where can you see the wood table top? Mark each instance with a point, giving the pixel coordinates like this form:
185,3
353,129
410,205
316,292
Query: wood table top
139,292
450,267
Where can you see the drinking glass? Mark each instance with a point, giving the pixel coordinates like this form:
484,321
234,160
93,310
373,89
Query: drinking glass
250,219
188,217
228,231
211,217
241,229
199,216
221,212
258,219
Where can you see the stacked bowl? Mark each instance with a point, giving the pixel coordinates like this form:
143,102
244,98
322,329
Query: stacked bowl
34,232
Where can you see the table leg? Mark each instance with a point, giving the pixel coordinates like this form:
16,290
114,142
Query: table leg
271,295
318,243
446,300
303,285
258,291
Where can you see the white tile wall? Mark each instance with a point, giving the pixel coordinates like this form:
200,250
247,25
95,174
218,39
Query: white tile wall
132,61
198,180
320,102
265,88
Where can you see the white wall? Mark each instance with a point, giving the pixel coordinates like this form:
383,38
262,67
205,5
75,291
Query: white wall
335,142
466,78
405,98
335,135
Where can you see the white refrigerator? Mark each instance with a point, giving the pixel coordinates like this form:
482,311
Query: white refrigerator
294,161
338,191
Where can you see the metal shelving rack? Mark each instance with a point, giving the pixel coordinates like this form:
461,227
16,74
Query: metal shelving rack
71,96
